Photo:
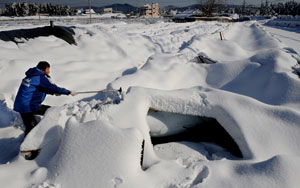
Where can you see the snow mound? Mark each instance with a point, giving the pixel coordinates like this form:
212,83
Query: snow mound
22,35
48,133
225,108
277,171
97,154
7,116
10,132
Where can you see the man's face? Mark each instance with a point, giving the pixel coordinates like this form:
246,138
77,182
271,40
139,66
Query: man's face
47,71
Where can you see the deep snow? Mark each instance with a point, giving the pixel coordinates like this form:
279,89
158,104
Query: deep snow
96,140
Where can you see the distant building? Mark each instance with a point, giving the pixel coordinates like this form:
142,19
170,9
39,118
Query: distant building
168,13
87,11
107,10
185,16
78,11
118,16
150,11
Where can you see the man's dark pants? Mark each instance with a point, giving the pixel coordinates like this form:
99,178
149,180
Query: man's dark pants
29,119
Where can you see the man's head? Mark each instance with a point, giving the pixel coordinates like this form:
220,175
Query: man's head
44,66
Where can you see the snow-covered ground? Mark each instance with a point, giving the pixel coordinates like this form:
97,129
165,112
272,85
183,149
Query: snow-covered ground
96,140
285,21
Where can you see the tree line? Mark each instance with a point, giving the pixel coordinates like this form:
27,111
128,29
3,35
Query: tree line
287,8
206,7
30,9
211,7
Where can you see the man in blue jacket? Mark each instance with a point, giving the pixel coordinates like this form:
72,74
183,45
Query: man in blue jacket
32,93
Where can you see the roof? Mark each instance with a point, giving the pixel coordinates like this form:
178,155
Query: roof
184,14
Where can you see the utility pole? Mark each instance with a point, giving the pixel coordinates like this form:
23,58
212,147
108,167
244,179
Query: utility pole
90,11
244,7
137,7
39,12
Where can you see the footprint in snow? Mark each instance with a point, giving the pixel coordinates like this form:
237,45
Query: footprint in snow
117,181
290,50
201,175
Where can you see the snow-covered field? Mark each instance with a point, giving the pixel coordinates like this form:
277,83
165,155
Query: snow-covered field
96,140
285,21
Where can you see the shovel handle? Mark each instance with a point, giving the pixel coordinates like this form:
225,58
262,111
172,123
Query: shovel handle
100,91
84,92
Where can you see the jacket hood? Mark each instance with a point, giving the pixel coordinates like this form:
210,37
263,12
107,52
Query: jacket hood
34,72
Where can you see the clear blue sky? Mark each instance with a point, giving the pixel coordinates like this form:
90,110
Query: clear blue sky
162,3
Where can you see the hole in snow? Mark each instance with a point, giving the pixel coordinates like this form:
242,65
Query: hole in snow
203,59
168,127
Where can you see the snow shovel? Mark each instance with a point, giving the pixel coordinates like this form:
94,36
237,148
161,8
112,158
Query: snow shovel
100,91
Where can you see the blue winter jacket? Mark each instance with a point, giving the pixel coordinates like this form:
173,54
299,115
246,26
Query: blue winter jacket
33,90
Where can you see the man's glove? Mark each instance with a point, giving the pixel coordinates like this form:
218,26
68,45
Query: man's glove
73,93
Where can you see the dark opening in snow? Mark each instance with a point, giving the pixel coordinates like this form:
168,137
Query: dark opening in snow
203,59
64,33
171,127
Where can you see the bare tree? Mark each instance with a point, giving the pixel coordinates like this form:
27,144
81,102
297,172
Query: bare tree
25,9
209,7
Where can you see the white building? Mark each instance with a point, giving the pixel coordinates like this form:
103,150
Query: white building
150,11
87,11
78,11
107,10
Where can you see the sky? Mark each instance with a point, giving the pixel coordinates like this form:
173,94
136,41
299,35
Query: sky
162,3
